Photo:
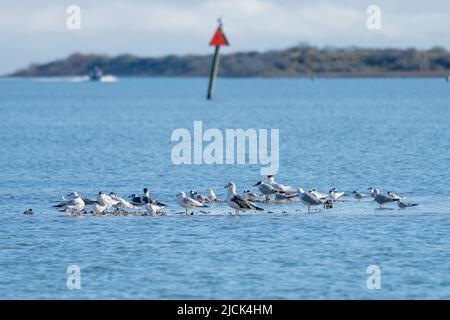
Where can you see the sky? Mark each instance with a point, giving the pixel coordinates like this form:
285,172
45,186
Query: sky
36,31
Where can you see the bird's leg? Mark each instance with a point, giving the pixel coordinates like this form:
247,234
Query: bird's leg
186,211
309,209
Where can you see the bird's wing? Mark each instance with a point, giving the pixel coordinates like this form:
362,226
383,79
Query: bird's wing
242,202
110,200
153,201
193,202
89,201
61,204
310,197
137,200
125,203
71,202
265,188
282,187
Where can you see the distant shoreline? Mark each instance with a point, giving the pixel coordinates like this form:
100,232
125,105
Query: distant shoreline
296,62
312,78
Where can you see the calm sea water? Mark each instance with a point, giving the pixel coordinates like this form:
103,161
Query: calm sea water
59,136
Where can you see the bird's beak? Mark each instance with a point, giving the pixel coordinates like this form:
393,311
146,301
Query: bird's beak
255,184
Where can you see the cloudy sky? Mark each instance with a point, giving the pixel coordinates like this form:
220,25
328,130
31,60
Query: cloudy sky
35,31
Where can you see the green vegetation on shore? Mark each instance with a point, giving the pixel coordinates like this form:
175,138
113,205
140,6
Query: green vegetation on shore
300,61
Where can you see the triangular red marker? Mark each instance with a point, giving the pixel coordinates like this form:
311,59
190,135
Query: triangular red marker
219,38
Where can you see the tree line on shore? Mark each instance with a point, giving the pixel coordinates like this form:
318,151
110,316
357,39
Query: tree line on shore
298,61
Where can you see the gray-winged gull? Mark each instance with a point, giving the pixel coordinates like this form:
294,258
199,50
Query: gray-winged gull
238,202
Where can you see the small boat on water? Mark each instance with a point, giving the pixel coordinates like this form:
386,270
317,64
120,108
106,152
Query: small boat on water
96,74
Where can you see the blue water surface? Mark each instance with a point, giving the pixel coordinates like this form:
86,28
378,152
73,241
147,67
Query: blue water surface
59,135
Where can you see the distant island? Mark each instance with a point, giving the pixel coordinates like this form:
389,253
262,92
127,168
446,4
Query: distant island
299,61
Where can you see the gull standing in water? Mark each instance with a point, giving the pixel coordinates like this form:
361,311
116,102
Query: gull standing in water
187,202
267,189
74,205
120,202
65,202
238,202
383,199
278,186
335,195
309,199
105,201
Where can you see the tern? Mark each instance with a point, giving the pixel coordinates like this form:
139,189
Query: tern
358,196
251,196
120,202
267,189
373,192
404,205
212,196
278,186
335,195
106,201
316,193
196,196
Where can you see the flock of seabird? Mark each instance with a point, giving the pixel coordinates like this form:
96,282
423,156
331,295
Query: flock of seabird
74,204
